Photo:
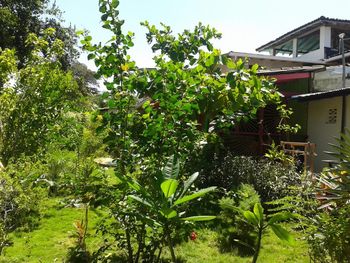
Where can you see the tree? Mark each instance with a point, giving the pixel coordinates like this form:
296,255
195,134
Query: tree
85,78
33,102
187,99
20,18
172,110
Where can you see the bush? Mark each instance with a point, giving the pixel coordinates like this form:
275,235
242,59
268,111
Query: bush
233,230
330,236
330,232
17,208
270,179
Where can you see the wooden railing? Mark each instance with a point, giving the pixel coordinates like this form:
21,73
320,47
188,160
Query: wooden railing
306,150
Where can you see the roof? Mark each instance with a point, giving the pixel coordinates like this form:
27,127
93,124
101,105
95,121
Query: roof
321,95
234,54
321,21
269,61
289,70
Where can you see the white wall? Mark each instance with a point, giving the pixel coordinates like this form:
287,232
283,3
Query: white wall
315,55
325,41
320,131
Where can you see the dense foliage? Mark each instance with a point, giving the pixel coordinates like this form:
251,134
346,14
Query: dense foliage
270,179
16,208
34,99
19,19
234,232
161,129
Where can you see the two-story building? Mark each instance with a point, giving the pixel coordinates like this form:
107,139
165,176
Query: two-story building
309,64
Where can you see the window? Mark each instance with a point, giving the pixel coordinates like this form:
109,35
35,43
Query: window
309,43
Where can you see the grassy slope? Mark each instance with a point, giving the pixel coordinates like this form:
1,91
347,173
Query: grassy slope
51,240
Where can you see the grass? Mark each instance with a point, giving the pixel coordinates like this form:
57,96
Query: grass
51,240
55,235
205,250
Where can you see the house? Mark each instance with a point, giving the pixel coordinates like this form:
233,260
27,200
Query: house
310,66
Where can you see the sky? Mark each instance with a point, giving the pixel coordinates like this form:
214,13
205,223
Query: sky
245,24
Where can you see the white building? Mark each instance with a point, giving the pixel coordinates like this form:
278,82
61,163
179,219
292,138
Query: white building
307,63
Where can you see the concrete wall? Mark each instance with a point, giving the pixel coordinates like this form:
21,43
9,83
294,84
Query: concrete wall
330,79
320,131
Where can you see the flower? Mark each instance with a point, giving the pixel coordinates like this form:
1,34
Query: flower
193,236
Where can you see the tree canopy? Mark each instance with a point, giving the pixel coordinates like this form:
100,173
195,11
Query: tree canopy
20,18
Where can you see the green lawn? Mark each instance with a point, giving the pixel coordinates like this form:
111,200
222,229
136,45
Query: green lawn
205,250
51,240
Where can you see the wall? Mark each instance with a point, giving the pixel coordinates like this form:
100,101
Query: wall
315,55
330,79
325,41
320,131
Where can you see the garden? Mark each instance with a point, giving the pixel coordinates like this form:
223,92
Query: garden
140,172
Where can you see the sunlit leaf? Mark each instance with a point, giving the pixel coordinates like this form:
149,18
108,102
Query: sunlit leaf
198,218
282,234
169,187
194,195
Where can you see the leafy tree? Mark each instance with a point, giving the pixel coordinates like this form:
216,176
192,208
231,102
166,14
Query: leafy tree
16,207
35,99
173,109
18,19
182,103
85,78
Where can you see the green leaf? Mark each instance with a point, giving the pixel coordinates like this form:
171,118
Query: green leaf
280,217
169,187
254,68
103,9
104,17
282,234
259,212
198,218
139,199
194,195
251,217
115,3
168,212
171,170
91,56
188,183
244,244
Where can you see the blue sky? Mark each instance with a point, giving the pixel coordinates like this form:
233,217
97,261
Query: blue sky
245,24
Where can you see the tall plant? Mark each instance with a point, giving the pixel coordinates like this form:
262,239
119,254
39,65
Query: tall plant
173,109
39,94
182,102
166,206
334,190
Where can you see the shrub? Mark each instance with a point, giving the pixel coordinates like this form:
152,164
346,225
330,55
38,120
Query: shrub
329,238
270,179
330,232
17,208
234,232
